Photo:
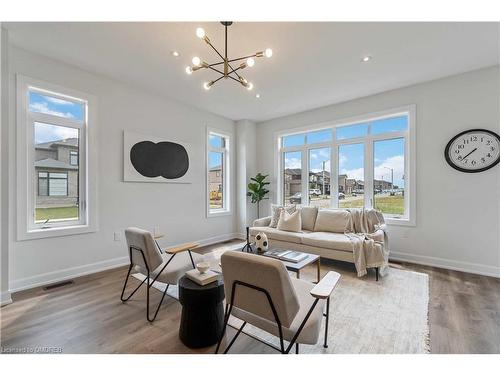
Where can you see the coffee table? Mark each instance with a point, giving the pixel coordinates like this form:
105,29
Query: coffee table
297,267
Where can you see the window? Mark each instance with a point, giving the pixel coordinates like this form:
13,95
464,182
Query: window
292,177
351,175
217,174
52,185
319,176
73,157
353,164
53,143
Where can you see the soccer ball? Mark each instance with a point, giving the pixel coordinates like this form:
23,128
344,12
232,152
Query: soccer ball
261,242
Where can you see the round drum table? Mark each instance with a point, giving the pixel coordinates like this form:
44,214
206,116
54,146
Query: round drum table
202,312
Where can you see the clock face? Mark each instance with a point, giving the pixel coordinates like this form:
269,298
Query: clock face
473,150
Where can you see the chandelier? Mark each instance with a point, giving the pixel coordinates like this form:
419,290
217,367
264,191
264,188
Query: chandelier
227,68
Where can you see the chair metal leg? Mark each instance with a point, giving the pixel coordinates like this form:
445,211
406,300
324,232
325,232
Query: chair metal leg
297,348
191,256
159,305
376,273
235,337
125,285
226,319
325,345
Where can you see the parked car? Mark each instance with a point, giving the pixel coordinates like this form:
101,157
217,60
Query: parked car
315,192
341,196
296,198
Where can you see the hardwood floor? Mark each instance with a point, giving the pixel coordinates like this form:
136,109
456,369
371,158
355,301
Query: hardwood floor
88,317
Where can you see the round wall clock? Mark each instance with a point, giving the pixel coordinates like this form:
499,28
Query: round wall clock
473,150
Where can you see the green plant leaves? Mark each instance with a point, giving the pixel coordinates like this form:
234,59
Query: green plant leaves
256,189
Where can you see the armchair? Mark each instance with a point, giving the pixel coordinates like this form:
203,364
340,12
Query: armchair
146,259
259,291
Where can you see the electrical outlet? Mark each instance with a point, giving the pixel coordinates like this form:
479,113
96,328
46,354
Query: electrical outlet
117,236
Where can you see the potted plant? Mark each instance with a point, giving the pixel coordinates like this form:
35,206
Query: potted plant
257,189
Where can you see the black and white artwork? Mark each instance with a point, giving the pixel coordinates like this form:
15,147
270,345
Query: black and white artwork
152,159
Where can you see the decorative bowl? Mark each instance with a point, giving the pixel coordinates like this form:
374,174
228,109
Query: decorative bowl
202,267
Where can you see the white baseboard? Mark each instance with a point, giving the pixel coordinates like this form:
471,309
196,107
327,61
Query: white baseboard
480,269
5,298
69,273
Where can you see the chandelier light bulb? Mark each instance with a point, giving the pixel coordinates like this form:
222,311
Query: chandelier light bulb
250,62
268,52
200,33
207,85
189,70
196,61
249,86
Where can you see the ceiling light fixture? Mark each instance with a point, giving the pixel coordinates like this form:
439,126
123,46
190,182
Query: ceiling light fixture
257,96
366,58
228,71
175,53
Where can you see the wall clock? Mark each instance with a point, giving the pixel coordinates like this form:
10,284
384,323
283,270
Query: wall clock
474,150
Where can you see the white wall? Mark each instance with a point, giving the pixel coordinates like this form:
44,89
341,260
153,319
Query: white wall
246,160
457,213
178,209
4,199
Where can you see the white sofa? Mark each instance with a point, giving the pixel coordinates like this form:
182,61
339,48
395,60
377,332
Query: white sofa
323,233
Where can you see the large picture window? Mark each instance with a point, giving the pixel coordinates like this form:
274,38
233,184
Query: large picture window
217,173
53,161
353,164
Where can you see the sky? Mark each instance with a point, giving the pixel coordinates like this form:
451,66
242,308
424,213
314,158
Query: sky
57,107
388,154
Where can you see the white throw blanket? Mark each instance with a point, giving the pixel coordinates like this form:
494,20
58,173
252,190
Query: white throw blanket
369,240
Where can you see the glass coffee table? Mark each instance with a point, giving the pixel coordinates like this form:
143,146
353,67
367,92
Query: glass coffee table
297,267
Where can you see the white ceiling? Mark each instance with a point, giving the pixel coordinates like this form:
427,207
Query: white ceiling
314,64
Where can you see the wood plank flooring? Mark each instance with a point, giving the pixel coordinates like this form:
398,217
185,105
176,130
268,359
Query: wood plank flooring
88,317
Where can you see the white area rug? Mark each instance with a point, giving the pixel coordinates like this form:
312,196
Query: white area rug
389,316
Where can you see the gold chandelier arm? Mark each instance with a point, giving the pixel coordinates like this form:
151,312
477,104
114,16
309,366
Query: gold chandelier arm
215,64
216,70
234,70
215,49
242,58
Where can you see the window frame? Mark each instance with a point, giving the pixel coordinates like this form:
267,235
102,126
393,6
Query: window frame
409,153
226,174
27,228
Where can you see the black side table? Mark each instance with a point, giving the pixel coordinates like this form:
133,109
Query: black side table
202,312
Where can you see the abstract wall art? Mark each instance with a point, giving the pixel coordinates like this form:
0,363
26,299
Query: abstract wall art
152,159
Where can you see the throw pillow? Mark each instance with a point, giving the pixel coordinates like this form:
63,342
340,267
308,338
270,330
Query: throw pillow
308,216
290,222
276,211
332,221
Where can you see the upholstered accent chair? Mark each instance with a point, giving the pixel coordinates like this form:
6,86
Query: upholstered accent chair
260,292
145,258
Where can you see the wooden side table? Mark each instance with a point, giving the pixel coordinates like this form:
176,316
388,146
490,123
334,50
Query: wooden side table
202,316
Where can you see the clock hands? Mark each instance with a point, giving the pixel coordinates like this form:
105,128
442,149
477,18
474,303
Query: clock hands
469,154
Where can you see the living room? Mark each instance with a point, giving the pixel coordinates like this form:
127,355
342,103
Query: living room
259,187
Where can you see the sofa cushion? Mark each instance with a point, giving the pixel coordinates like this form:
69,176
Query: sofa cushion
276,211
332,221
290,222
328,240
278,235
308,215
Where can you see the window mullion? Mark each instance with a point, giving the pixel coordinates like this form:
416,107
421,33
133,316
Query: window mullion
368,173
305,176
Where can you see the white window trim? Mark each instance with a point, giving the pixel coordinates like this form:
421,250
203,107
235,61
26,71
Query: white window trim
226,173
410,158
26,230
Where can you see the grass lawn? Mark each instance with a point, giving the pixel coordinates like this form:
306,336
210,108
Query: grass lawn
387,204
56,213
